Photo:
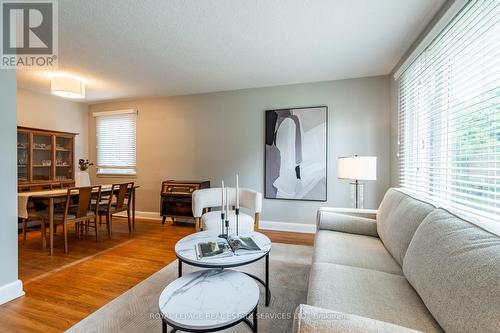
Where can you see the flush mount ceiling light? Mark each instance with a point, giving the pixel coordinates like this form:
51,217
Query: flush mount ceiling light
67,86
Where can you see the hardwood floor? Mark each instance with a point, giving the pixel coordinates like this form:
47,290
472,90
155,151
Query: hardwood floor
63,289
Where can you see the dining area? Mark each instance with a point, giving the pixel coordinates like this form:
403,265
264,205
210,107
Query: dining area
87,209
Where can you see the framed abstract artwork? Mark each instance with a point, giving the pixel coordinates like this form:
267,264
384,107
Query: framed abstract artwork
296,153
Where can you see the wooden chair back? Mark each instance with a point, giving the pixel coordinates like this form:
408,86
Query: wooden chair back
83,197
122,192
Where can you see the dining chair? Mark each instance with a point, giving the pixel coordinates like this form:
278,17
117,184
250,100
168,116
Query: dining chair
34,207
118,200
77,209
95,196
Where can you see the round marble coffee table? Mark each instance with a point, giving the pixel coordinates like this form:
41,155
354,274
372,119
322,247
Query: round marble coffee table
186,253
209,300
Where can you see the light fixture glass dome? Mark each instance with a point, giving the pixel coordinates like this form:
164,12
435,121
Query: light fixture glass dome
66,86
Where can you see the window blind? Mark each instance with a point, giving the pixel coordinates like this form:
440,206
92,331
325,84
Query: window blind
449,115
116,142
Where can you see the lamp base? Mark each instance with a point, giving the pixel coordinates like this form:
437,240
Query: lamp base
357,194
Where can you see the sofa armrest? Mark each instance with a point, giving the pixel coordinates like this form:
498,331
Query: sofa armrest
353,221
368,213
310,319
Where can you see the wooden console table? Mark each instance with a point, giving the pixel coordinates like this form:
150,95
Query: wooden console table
176,198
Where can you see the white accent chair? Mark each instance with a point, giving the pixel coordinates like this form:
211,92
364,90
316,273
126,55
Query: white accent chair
211,220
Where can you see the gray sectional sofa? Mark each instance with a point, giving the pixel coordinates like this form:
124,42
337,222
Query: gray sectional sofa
407,266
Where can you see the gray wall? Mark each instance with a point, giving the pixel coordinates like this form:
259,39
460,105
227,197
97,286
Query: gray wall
213,136
8,175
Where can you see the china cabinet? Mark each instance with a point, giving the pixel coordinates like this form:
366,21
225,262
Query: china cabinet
45,158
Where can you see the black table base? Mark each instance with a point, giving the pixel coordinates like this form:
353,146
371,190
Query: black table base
264,283
252,324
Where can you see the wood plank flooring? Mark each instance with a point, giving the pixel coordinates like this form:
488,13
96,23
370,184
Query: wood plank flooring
63,289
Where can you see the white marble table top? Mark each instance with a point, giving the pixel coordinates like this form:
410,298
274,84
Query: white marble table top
185,249
209,299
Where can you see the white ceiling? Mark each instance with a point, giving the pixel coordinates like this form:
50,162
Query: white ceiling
135,49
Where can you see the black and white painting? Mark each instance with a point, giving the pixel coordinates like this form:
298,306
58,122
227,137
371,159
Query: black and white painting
296,153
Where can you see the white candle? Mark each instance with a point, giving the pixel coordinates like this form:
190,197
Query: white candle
237,192
222,205
227,206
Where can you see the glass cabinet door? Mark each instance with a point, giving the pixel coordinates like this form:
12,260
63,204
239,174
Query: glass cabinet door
22,156
42,157
64,158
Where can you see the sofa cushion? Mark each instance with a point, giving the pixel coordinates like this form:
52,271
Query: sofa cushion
311,319
369,293
455,267
398,216
353,250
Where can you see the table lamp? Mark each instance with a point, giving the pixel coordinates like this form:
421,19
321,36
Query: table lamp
357,168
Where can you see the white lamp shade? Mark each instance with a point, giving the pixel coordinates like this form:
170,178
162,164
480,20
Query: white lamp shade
67,87
357,168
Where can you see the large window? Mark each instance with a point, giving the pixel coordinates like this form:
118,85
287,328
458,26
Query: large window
116,142
449,114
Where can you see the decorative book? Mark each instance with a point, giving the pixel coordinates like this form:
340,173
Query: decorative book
213,250
234,245
243,245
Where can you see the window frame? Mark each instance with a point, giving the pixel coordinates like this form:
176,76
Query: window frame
99,168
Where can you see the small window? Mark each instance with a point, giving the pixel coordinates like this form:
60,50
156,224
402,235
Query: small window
116,142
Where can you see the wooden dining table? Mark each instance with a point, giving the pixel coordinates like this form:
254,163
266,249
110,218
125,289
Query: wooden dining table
50,195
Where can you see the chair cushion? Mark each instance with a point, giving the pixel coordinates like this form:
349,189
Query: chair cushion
399,215
353,250
369,293
103,207
59,214
212,221
455,267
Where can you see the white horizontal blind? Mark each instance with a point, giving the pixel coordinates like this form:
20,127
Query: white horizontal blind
116,142
449,115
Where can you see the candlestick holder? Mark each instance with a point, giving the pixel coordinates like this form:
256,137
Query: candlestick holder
223,223
237,212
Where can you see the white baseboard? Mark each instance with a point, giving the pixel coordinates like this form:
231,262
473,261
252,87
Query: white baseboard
265,225
11,291
288,226
143,215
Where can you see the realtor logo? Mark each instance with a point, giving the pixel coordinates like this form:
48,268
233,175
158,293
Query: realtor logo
29,33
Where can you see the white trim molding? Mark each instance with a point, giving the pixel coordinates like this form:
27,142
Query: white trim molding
114,112
304,228
143,215
11,291
265,225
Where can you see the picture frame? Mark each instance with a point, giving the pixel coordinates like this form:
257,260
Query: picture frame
296,153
